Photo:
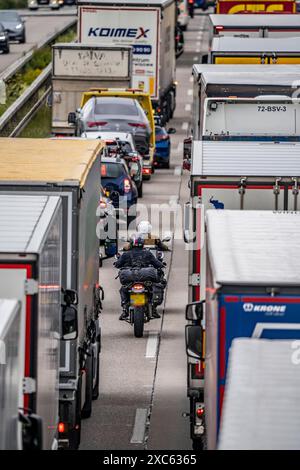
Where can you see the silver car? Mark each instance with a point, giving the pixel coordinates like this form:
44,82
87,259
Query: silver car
109,114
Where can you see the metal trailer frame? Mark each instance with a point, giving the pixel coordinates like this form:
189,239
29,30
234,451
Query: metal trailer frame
30,271
164,98
10,371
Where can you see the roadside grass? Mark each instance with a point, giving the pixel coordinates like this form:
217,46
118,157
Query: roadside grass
15,4
40,125
17,84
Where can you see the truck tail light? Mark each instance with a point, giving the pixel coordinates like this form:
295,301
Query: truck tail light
197,371
127,186
61,428
146,171
137,124
96,123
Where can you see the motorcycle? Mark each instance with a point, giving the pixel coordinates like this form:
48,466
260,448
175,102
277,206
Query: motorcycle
144,295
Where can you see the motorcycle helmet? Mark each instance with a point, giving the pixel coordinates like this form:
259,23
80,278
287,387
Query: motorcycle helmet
144,227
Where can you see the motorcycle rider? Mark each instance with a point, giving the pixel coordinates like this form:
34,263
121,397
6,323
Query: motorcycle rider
145,228
137,256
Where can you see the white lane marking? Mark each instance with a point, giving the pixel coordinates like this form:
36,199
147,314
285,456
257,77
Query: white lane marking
185,126
178,171
188,107
190,92
196,58
198,50
139,428
179,147
152,344
191,78
198,44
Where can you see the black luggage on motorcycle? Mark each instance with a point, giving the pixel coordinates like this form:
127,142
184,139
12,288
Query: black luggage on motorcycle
127,276
158,294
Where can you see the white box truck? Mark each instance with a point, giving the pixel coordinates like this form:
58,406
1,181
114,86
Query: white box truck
147,26
30,271
69,168
254,175
77,68
252,378
236,81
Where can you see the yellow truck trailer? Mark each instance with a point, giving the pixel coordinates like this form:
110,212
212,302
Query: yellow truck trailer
237,50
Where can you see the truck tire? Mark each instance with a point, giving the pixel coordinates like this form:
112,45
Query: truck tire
198,444
87,408
138,322
140,190
75,433
97,383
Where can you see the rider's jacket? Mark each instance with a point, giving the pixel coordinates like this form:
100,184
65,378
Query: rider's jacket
138,257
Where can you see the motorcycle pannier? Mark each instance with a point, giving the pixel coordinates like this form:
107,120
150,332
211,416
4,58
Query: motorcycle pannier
127,276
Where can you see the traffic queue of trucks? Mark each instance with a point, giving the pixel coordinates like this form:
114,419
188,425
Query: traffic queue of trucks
241,225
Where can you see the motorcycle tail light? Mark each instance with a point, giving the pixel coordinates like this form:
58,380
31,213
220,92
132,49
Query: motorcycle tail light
137,287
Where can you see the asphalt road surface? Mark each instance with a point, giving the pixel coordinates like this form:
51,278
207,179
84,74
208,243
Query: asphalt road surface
143,381
38,28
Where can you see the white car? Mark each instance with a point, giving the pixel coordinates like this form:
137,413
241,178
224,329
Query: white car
183,17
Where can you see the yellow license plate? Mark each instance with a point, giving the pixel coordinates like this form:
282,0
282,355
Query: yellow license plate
137,299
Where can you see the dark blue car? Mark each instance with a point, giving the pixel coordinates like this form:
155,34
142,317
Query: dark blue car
119,186
163,146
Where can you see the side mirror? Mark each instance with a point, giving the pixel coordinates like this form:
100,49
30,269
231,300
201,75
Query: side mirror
72,119
166,239
69,323
172,130
32,431
194,311
194,341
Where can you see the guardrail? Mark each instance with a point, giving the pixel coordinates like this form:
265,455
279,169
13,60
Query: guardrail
18,115
16,66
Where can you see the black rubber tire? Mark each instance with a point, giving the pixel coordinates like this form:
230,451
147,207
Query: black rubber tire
97,384
23,40
138,322
140,190
87,408
167,164
6,50
198,444
75,434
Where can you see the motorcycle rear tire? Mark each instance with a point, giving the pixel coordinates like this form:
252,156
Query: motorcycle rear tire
138,322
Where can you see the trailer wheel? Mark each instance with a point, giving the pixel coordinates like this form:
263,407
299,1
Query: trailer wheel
87,408
198,444
138,322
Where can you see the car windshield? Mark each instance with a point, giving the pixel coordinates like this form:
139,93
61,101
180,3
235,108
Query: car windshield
9,16
120,108
112,170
